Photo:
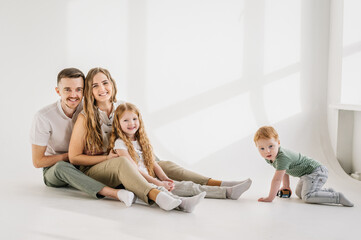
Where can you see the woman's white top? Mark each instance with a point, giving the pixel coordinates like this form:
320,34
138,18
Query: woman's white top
106,124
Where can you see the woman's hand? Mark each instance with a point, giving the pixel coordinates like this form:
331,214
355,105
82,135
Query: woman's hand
112,154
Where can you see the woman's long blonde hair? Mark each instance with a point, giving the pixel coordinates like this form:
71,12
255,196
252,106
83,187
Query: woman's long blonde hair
93,136
140,136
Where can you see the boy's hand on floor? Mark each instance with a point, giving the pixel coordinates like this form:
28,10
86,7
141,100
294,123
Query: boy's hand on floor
267,199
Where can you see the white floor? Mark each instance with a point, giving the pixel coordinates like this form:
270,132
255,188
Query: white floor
30,210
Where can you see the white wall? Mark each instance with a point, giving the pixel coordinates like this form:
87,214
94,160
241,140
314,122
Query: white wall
344,82
32,50
205,73
351,42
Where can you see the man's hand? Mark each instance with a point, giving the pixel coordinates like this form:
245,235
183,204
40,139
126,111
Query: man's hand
40,160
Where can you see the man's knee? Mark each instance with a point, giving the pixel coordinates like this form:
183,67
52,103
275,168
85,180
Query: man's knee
54,177
61,165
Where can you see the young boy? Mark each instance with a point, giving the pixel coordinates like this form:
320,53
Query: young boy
312,174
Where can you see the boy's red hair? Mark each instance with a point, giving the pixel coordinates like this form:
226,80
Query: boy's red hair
265,132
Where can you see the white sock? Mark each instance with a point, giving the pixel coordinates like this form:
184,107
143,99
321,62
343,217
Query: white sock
166,202
236,191
233,183
139,201
188,203
344,201
126,197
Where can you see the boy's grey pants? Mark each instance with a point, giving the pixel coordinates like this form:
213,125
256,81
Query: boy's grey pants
310,190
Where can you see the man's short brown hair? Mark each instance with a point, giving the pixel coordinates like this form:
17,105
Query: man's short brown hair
70,73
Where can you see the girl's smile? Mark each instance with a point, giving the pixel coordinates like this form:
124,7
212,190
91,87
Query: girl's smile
129,123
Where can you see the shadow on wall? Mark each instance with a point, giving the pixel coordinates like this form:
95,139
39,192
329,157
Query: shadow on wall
268,88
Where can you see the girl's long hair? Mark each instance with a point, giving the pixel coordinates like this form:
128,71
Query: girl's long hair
140,136
93,136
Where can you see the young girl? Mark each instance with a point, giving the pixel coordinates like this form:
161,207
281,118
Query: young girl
129,139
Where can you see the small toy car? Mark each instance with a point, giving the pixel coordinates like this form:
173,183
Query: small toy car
284,193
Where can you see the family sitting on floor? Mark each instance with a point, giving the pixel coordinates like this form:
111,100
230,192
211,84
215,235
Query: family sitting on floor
99,145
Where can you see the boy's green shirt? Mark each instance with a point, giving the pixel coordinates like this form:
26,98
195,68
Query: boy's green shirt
295,164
